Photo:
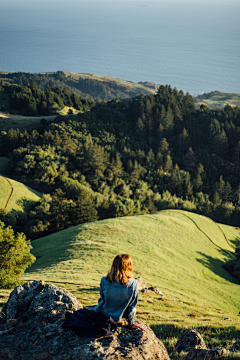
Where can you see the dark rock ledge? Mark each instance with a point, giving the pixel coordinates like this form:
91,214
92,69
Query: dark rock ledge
31,328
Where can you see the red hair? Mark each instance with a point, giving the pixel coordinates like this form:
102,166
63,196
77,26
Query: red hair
121,270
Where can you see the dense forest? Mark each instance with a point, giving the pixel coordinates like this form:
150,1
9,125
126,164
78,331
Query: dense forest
128,157
30,100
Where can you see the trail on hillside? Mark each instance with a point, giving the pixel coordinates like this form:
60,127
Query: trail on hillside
227,252
9,194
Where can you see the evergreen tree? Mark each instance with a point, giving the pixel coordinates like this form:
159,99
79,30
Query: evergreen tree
190,162
83,210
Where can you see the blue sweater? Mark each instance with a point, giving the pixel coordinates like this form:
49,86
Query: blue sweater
118,300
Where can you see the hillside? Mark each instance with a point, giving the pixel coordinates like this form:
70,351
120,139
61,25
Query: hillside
168,250
86,85
217,100
22,196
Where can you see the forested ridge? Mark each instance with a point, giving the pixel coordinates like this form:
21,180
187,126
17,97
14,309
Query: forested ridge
89,86
128,157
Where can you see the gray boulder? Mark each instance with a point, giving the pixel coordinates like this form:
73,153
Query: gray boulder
142,286
32,330
141,283
155,290
190,339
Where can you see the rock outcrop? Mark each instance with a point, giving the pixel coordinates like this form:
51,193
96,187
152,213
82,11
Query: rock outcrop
142,286
36,301
190,339
31,328
192,342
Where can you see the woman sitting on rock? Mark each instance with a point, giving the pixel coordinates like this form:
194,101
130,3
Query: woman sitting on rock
118,299
119,292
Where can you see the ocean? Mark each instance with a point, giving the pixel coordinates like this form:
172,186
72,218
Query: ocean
193,45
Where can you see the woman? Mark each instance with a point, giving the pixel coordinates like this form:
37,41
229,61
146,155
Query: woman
119,296
119,292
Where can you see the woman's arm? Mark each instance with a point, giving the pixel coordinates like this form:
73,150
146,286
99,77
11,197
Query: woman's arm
131,309
101,292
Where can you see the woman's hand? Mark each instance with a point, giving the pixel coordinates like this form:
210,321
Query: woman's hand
137,327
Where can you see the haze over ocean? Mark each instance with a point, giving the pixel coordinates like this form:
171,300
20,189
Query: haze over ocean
192,45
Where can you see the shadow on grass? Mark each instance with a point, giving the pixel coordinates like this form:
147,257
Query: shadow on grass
164,331
236,242
18,216
213,336
215,265
96,289
25,204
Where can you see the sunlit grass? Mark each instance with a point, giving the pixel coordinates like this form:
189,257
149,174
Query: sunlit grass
5,190
218,100
22,195
167,248
115,82
65,111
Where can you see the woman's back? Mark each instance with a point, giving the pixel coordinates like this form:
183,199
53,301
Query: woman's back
118,300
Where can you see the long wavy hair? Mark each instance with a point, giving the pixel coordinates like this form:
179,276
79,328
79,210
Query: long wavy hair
121,270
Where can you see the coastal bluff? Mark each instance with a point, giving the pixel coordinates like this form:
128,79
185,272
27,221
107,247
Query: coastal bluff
31,328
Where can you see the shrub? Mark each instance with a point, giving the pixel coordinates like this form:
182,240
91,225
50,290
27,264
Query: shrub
15,256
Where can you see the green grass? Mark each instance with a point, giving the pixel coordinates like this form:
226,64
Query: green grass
167,248
217,99
4,191
22,196
15,121
169,251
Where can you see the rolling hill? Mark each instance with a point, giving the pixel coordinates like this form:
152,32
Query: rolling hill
217,100
169,251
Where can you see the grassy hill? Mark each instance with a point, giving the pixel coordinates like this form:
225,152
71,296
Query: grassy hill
168,251
180,252
22,196
217,99
4,191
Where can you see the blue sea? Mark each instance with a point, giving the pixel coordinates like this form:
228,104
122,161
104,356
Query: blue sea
193,45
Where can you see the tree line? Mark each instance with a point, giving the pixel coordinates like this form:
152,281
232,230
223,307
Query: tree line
30,100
